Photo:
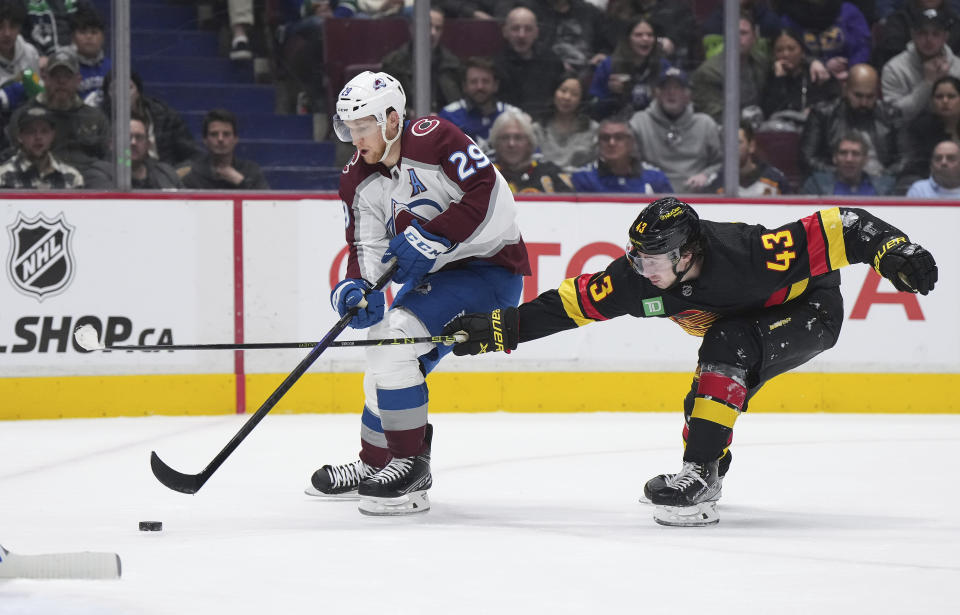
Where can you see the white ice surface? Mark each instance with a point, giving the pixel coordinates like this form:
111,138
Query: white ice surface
531,513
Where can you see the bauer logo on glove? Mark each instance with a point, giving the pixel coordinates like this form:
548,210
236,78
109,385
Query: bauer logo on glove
497,331
908,266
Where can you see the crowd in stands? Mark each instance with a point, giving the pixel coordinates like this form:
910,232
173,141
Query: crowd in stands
581,96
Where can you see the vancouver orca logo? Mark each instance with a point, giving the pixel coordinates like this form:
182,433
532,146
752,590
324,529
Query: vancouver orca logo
41,258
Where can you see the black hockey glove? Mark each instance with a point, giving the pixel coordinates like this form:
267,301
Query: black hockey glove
498,330
909,266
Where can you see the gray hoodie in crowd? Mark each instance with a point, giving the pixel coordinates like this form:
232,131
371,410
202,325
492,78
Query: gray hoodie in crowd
681,147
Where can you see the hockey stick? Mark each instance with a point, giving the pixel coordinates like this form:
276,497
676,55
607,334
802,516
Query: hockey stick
84,565
88,339
191,483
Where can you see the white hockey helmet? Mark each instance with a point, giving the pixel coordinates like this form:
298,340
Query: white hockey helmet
368,94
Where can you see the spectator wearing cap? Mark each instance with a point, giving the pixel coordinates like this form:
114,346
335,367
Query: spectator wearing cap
944,180
19,60
514,142
219,168
148,173
33,166
708,80
82,132
894,31
619,167
528,72
88,37
907,79
683,143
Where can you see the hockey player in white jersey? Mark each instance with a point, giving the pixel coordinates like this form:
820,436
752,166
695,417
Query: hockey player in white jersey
421,192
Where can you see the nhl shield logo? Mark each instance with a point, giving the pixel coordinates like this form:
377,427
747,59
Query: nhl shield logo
41,259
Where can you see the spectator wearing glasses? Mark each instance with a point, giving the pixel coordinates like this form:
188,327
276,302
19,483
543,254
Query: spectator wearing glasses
619,167
684,144
148,173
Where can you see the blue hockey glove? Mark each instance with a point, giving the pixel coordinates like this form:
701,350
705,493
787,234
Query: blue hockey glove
415,251
349,293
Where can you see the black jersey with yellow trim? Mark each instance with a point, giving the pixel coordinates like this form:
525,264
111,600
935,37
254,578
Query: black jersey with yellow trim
745,267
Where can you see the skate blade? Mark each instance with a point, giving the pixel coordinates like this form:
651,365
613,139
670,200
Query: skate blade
409,504
349,495
702,514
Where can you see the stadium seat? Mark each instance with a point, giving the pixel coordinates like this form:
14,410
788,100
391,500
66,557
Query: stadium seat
349,42
472,37
782,150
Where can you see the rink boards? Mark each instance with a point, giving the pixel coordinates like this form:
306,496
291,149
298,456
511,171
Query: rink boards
235,268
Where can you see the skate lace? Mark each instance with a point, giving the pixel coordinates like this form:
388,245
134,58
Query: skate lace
349,474
393,470
688,475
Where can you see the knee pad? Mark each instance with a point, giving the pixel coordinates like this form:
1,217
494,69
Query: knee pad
395,366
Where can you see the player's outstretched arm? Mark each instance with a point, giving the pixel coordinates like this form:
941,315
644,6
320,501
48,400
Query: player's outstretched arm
868,239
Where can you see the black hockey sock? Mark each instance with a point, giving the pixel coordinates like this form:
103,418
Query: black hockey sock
705,440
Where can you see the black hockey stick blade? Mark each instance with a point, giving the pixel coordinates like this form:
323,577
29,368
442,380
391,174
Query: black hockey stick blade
178,481
191,483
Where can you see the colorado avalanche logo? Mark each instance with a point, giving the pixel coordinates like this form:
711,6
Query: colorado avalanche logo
379,83
41,260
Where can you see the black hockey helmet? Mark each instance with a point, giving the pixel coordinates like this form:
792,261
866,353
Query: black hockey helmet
665,225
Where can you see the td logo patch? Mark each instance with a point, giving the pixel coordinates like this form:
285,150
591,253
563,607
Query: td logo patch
653,307
41,259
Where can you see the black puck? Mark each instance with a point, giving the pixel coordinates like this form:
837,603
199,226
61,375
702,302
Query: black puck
151,526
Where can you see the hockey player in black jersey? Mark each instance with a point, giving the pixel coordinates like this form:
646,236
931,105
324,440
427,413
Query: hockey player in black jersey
764,301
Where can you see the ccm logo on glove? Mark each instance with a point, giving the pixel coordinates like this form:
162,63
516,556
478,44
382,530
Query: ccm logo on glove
429,249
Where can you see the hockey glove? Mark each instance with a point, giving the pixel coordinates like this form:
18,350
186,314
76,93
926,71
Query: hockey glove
416,250
909,266
349,293
499,330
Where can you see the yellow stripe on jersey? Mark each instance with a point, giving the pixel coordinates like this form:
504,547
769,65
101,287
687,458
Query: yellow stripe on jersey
833,230
568,295
797,289
714,411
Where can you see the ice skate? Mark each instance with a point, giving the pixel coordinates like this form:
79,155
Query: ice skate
658,483
688,498
339,482
401,487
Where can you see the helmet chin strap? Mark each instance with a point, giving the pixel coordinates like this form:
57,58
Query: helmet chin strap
389,142
679,274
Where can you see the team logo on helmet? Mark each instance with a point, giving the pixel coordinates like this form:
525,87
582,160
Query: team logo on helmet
379,83
41,259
